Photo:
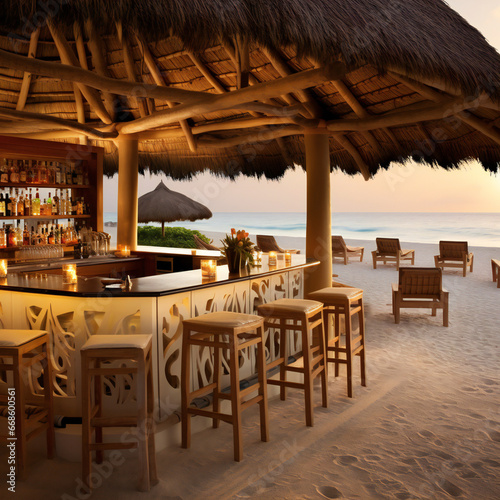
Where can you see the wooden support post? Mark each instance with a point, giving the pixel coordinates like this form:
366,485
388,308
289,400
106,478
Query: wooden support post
319,213
128,178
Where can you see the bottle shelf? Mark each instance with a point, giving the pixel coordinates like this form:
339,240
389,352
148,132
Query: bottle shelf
43,217
56,186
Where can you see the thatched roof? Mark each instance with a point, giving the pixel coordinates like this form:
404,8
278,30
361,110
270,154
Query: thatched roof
415,66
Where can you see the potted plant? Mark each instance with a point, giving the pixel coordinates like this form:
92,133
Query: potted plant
238,250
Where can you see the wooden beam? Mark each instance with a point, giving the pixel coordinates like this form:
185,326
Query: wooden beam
82,57
25,85
349,147
253,138
419,88
242,61
80,45
401,117
480,125
67,124
132,75
68,57
160,80
89,78
231,100
243,123
98,53
207,73
49,135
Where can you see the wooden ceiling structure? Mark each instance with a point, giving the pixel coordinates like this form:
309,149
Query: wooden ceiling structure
251,88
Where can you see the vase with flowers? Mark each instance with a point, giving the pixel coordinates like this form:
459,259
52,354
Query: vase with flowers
238,250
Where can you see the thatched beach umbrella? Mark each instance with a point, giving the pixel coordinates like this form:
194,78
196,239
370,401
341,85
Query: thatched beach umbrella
253,88
164,205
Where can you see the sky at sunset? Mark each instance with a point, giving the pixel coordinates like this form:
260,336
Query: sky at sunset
413,188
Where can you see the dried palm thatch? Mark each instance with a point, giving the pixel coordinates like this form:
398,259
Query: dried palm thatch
396,81
164,205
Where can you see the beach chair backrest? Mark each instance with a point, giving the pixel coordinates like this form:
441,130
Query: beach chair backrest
268,244
453,249
338,244
421,282
388,246
201,245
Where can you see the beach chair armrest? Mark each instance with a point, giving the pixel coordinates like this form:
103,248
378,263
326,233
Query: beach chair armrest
395,287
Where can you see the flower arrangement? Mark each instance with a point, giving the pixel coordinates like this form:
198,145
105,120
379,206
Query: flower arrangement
238,249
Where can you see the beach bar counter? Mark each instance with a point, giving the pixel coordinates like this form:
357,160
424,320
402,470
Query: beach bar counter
152,304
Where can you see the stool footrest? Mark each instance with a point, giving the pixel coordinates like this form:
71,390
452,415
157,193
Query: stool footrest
211,414
250,402
35,418
249,390
112,446
357,350
316,372
206,389
286,383
341,350
295,369
356,340
38,430
339,360
31,359
316,360
274,363
113,422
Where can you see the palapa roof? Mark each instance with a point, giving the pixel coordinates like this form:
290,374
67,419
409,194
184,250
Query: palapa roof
391,81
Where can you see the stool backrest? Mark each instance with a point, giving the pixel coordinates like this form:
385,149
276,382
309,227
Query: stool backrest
388,246
268,244
453,249
338,244
421,282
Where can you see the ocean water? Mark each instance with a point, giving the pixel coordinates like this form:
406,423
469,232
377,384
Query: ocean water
479,229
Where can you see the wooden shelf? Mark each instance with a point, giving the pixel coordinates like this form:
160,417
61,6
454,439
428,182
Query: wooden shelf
43,217
57,186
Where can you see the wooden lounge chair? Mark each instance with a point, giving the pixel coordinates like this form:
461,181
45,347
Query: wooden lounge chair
454,254
389,250
340,249
495,268
420,287
268,244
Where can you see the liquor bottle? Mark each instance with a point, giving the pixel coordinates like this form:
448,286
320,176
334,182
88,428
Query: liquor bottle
55,204
48,207
23,176
27,203
69,175
33,237
42,173
69,207
2,205
20,203
58,173
51,240
19,234
62,204
14,172
3,238
8,206
74,173
74,206
43,207
26,236
13,204
4,171
35,206
12,237
51,173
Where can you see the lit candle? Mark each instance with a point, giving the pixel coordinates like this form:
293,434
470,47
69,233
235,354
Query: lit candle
272,258
3,268
288,258
257,259
126,251
69,274
208,268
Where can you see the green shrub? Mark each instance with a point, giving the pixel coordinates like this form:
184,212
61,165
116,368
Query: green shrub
175,237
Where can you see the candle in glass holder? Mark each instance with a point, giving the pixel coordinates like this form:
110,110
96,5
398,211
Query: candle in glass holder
288,258
208,268
3,268
272,258
69,274
126,251
257,259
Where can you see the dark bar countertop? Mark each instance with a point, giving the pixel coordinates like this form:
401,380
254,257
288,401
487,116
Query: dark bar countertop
149,286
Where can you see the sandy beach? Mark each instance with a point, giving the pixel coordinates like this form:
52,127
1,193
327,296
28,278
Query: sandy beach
427,426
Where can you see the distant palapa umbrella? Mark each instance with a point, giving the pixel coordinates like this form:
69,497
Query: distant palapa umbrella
164,205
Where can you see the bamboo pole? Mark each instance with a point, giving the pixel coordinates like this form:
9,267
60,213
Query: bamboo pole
25,85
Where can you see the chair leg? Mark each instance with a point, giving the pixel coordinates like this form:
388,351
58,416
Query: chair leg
348,348
436,260
362,355
99,455
283,354
324,373
235,399
142,423
397,306
218,389
20,419
308,382
374,257
185,387
49,401
261,371
472,263
361,256
153,475
465,267
337,342
445,308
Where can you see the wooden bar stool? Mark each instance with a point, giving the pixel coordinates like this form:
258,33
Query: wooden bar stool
26,348
134,351
303,315
344,301
241,331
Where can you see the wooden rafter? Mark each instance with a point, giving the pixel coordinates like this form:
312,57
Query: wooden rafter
252,138
402,116
211,78
82,57
349,147
480,125
25,85
67,124
232,100
68,57
242,61
160,80
132,75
